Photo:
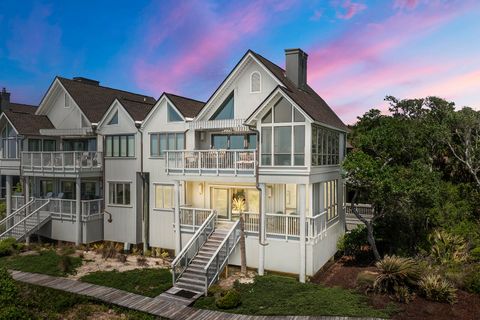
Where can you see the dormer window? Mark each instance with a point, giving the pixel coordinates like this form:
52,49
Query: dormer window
255,82
114,119
173,115
226,110
67,101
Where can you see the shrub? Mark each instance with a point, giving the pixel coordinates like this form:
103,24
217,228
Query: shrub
366,279
446,247
215,290
12,312
228,300
434,288
472,281
109,251
142,261
122,257
475,254
8,289
354,243
395,272
66,264
402,294
8,246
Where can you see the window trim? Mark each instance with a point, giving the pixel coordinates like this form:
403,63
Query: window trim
245,140
172,108
259,82
115,183
159,134
118,137
155,184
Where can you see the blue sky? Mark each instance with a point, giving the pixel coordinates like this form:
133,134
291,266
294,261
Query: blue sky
359,51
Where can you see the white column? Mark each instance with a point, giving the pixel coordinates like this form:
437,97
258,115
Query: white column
8,199
301,208
27,199
176,200
78,210
261,231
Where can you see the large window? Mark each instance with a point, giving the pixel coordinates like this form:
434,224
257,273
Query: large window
119,193
80,144
163,196
283,127
326,199
159,142
226,110
234,141
120,146
10,143
325,146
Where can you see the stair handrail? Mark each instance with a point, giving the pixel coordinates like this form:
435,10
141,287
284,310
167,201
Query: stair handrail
10,216
229,247
183,253
25,218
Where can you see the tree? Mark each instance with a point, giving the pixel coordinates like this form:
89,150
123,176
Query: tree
239,205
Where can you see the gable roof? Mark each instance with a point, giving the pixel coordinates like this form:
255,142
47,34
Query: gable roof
20,107
189,108
25,121
307,98
94,100
138,110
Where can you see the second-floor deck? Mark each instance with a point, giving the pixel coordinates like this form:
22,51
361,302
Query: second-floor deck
62,163
211,162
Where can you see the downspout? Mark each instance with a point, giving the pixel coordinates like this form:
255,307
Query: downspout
145,213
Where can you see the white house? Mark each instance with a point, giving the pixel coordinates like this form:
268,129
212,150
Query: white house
171,170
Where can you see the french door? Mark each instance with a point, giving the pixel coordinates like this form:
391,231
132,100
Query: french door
221,202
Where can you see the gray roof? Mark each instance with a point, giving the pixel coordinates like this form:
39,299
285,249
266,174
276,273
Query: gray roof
138,110
94,100
25,121
188,107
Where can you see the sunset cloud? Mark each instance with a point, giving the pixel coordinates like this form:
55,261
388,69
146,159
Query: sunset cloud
351,9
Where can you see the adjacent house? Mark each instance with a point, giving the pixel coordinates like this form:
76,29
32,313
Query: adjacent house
178,173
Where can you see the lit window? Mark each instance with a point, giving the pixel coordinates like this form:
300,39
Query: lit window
164,196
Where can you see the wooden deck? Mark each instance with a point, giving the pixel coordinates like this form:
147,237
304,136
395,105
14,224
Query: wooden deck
163,306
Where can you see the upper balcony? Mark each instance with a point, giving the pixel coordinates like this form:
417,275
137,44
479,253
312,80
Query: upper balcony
235,163
62,163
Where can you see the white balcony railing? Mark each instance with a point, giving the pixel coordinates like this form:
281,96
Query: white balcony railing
211,162
234,124
17,201
61,161
192,218
65,209
287,226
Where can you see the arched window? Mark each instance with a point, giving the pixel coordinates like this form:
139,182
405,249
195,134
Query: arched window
255,82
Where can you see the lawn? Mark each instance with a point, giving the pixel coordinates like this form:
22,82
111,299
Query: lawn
46,303
277,295
147,282
46,262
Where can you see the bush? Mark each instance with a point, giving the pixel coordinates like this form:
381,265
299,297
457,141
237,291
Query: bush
122,257
366,279
142,261
109,251
447,248
395,272
215,290
228,300
66,264
434,288
472,281
354,242
402,294
8,246
475,254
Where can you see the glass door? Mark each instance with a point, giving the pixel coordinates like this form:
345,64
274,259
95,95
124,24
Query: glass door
221,202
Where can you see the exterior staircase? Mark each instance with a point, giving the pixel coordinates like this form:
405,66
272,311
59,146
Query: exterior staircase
25,220
204,257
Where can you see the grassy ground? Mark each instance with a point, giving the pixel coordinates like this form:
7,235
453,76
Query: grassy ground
147,282
46,303
46,262
277,295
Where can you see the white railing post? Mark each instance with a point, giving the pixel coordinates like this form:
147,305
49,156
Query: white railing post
199,160
217,161
235,161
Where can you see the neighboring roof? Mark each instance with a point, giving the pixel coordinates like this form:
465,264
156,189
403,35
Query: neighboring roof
19,107
189,108
95,100
138,110
307,98
26,122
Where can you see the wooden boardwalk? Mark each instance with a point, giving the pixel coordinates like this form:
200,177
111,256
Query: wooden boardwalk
162,306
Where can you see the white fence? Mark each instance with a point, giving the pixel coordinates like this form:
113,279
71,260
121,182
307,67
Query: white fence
65,209
61,161
192,218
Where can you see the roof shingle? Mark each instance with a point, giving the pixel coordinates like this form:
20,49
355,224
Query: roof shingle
26,122
189,108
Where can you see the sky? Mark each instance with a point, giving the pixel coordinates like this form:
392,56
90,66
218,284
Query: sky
359,51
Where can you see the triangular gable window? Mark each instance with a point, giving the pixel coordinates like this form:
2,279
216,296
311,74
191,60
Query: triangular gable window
226,110
114,119
173,115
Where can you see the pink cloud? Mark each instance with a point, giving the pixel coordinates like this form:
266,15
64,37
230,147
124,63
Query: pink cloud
406,4
206,43
351,9
317,14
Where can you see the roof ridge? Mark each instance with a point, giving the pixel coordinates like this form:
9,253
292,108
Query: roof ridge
105,87
132,100
183,97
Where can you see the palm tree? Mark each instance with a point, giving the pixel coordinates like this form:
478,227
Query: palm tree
239,205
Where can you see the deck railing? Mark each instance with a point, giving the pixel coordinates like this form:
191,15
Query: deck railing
287,226
186,255
18,201
61,161
192,218
211,162
65,209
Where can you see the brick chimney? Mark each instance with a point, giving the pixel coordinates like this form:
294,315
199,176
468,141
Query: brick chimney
296,67
4,100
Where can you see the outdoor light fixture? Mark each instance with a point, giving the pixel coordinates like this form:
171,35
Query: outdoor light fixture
269,191
200,188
